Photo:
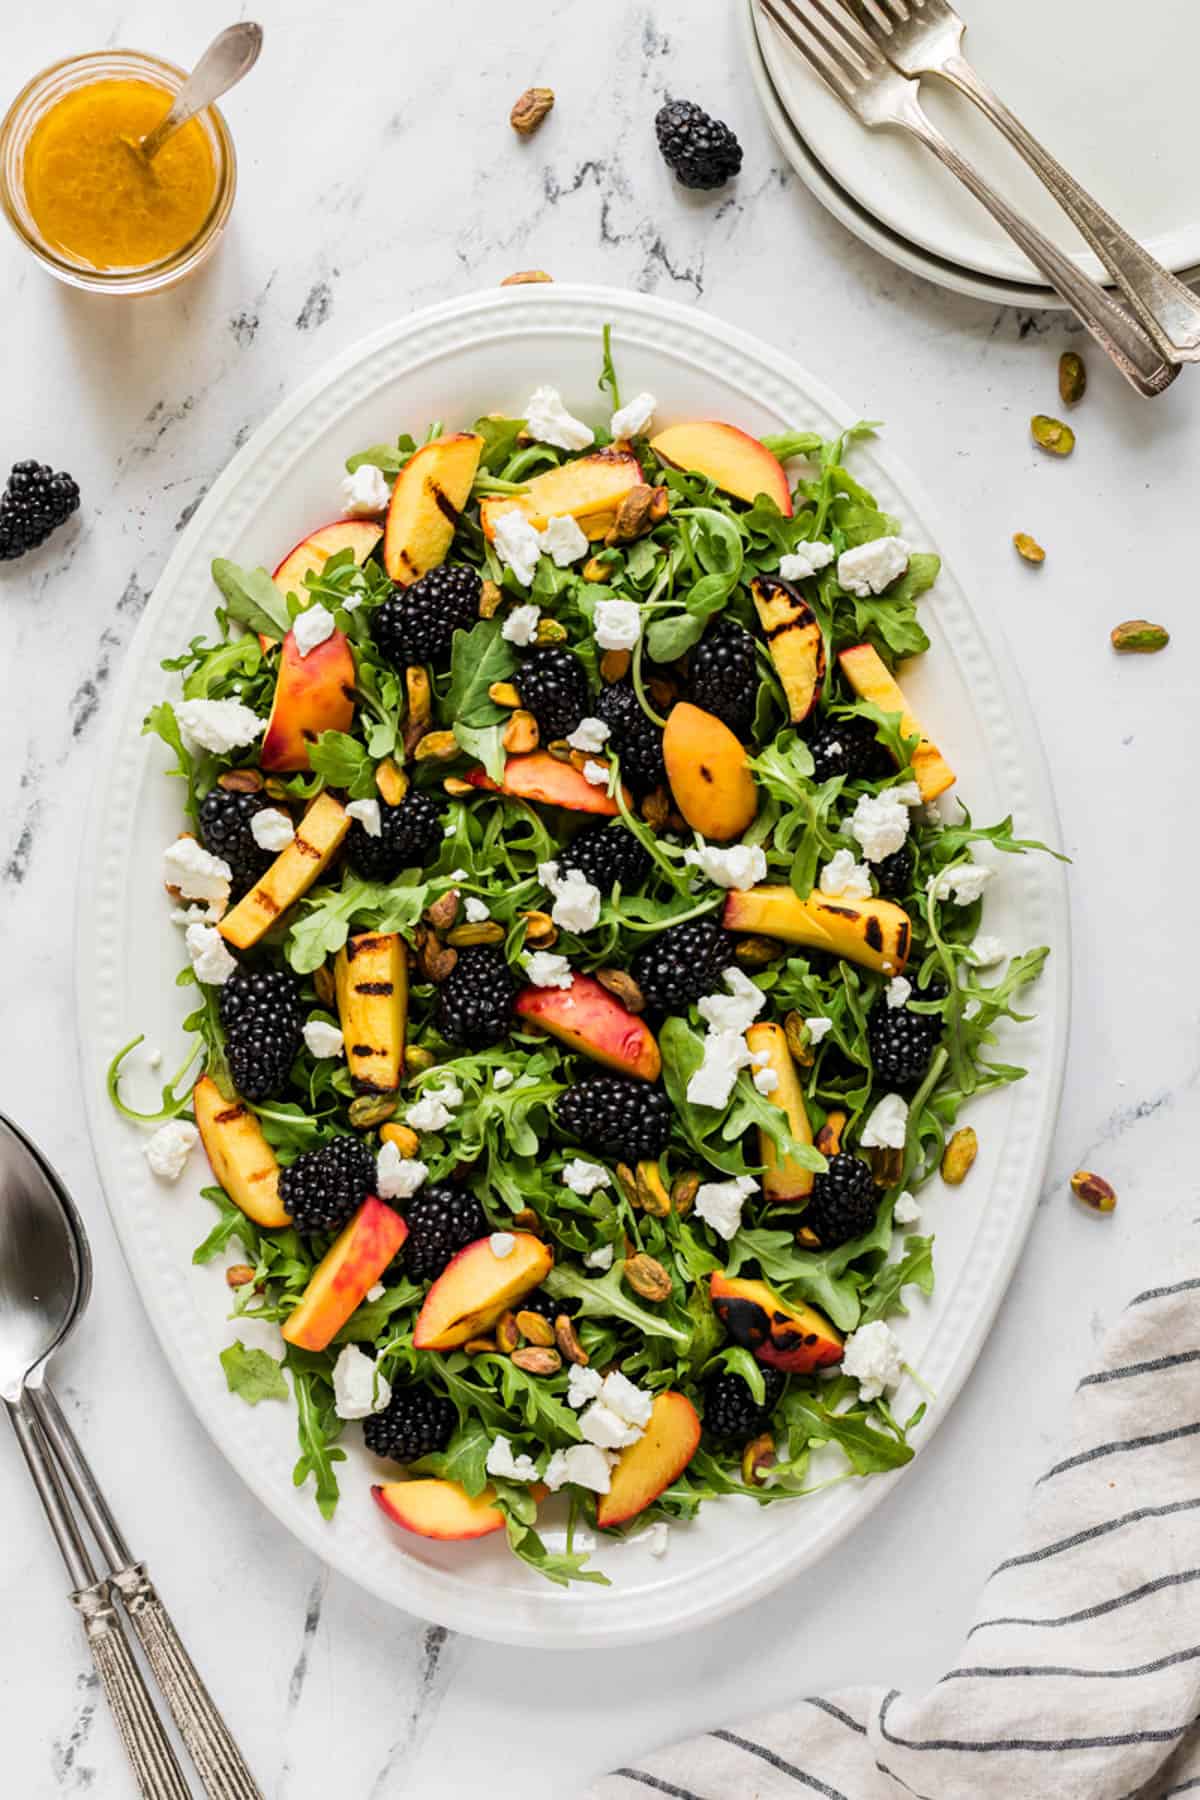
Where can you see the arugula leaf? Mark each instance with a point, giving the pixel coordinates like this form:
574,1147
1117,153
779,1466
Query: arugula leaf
317,1426
485,743
869,1451
343,763
603,1297
253,1374
463,1460
161,722
478,658
252,598
915,1269
391,458
322,930
608,373
787,444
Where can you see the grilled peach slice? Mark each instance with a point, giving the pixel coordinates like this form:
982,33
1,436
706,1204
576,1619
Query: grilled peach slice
709,773
439,1509
313,693
476,1287
875,933
371,977
659,1457
586,1017
241,1158
797,646
782,1334
870,678
430,492
293,872
310,555
541,777
589,490
340,1281
785,1183
731,459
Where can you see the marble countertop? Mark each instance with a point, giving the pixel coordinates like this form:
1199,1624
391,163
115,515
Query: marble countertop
378,173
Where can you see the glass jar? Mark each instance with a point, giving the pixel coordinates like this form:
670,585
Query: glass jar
32,105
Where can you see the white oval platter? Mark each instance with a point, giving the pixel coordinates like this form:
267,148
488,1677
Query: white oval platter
480,354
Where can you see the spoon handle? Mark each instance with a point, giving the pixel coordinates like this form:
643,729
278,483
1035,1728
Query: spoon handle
232,54
219,1763
143,1734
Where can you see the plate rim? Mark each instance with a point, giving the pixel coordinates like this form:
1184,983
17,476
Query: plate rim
414,1586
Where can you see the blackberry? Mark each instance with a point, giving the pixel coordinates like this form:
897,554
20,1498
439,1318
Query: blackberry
843,1203
416,1422
322,1188
901,1043
682,964
418,623
553,687
894,874
723,675
225,829
442,1220
847,747
635,738
703,152
546,1306
408,836
35,502
606,854
730,1409
260,1011
475,1000
618,1117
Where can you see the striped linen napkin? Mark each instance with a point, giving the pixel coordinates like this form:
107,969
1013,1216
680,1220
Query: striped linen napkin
1080,1679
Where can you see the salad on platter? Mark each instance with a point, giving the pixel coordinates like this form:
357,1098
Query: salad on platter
585,942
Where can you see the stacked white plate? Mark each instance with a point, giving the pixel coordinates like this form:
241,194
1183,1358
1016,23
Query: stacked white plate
1107,88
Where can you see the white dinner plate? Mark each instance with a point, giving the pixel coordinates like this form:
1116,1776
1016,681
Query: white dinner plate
1108,88
455,361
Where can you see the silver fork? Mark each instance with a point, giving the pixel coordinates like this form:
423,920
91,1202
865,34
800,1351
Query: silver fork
840,52
924,37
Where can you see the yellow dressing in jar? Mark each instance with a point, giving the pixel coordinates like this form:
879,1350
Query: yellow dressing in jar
95,198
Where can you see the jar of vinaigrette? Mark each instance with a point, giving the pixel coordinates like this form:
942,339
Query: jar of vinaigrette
78,193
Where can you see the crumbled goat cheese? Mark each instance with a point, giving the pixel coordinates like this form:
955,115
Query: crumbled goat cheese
633,419
872,1358
725,1054
844,879
365,491
736,1010
312,627
720,1203
869,568
606,1429
582,1464
521,625
897,993
359,1388
596,773
964,883
739,866
971,1009
503,1078
398,1177
168,1150
600,1259
576,902
434,1110
584,1177
323,1039
986,952
887,1127
218,725
502,1244
906,1210
563,541
196,872
476,910
656,1537
589,736
271,829
818,1029
517,544
879,823
583,1385
377,1292
209,953
617,624
547,420
368,815
806,560
502,1462
628,1401
766,1081
199,915
545,970
153,1059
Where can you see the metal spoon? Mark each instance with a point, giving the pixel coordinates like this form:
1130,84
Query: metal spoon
232,54
45,1282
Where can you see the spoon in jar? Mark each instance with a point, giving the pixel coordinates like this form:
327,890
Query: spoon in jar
232,54
45,1281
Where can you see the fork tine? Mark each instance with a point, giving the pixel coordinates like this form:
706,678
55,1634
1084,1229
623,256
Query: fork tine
843,24
811,49
875,14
